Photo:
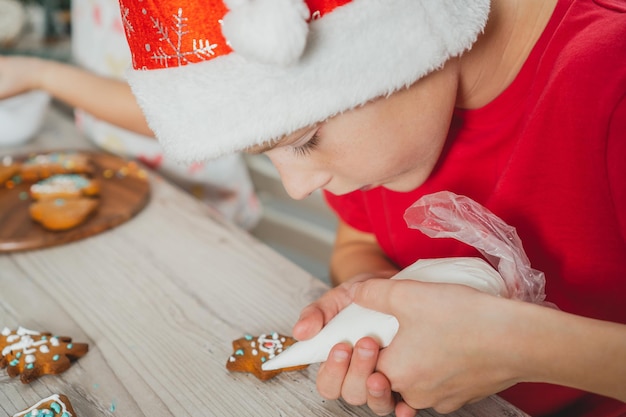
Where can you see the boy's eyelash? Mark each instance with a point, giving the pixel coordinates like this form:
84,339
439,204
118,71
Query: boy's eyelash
308,147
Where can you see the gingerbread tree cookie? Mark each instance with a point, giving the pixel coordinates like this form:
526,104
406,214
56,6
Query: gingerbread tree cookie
31,354
57,405
250,352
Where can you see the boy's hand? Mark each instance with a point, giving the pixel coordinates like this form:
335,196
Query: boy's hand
349,373
455,345
317,314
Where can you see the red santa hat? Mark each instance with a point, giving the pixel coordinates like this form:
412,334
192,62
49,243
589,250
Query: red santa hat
218,76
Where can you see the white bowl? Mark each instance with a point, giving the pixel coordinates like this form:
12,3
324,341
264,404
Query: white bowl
21,117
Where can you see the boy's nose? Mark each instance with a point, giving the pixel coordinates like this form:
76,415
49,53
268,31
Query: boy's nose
300,186
299,181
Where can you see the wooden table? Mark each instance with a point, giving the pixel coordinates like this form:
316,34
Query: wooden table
159,300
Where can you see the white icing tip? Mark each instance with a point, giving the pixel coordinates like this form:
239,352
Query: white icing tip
351,324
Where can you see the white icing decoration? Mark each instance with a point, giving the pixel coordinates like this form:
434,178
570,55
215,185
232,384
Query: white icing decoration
33,410
270,345
22,341
69,183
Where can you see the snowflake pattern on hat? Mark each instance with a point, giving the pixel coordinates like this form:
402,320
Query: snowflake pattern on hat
171,35
164,34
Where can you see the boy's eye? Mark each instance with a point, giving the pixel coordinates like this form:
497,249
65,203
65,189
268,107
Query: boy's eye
306,148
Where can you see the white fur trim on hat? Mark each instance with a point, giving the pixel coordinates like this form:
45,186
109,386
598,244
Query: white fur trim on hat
360,51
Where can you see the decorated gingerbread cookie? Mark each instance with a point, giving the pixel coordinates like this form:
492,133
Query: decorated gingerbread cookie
250,352
64,186
57,405
43,166
7,172
32,354
62,213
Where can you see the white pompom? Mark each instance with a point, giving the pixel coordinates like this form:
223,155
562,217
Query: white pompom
267,31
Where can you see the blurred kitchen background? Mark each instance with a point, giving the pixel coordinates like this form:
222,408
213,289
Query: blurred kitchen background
303,231
36,27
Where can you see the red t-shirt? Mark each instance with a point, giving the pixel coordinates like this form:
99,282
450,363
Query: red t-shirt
548,156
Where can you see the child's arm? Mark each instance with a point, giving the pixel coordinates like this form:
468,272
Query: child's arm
356,253
105,98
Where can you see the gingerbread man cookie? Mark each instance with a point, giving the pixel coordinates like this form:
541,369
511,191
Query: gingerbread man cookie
57,405
64,186
32,354
250,352
43,166
62,213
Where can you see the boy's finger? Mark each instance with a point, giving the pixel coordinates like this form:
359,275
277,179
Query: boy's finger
362,365
331,375
316,315
405,410
309,324
375,294
380,399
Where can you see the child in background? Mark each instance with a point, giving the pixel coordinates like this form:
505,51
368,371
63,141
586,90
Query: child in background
106,110
517,104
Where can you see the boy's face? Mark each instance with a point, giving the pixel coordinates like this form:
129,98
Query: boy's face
393,142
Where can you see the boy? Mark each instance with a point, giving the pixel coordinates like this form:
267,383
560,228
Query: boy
517,104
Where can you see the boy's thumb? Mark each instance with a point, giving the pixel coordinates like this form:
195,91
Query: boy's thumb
374,294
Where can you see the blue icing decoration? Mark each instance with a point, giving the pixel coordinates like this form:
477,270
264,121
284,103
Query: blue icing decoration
248,337
78,180
14,362
239,352
55,358
70,345
30,366
263,359
56,407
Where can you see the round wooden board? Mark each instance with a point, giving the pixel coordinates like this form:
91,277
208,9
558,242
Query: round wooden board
124,192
